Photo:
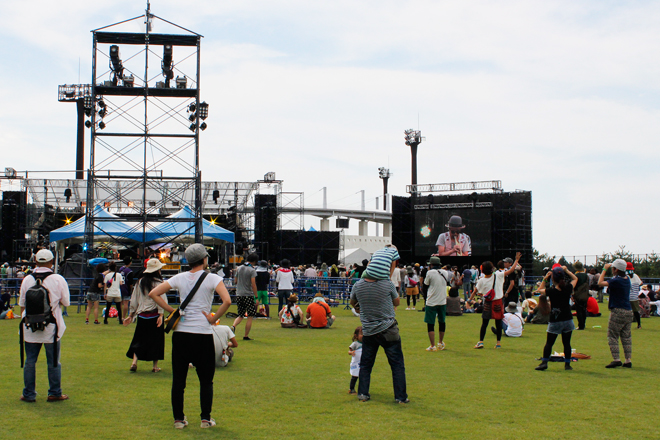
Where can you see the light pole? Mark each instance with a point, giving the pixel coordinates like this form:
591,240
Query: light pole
384,173
413,139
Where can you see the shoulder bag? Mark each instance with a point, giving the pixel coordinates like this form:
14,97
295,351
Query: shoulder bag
173,319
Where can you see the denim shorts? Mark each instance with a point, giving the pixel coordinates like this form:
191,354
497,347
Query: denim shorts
558,328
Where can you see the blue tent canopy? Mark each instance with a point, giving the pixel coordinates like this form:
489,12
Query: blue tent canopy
108,228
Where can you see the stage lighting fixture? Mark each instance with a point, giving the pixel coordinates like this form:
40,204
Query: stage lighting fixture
106,204
88,124
101,125
67,194
130,204
88,103
203,110
181,82
115,64
83,204
175,203
192,127
103,112
216,196
192,107
203,126
167,65
129,81
192,117
152,204
101,103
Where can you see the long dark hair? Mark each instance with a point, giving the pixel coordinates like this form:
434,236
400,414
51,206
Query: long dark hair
149,281
544,305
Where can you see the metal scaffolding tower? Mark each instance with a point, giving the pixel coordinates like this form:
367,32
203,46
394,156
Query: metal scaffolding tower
144,151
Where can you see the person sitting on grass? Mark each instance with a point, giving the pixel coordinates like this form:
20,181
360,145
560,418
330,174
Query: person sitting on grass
541,313
529,304
291,315
318,313
512,323
593,311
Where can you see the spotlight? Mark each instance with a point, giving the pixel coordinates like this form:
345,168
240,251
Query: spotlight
101,125
203,110
130,204
67,192
216,196
88,124
203,126
175,203
101,103
192,127
192,107
167,65
181,82
103,112
152,204
106,204
88,103
129,81
192,117
115,64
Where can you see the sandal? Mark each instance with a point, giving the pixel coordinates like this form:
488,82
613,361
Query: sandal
155,370
498,345
479,345
133,368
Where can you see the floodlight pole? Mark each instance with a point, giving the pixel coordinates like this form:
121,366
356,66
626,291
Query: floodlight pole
413,139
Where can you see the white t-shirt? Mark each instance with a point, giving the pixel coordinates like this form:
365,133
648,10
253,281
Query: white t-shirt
396,277
514,322
485,284
192,319
437,293
355,360
221,336
117,280
284,280
58,292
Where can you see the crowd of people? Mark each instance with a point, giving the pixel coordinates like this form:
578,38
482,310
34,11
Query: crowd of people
497,291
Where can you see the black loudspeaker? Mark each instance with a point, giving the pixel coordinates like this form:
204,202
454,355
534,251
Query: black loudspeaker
13,222
265,225
342,223
309,247
402,227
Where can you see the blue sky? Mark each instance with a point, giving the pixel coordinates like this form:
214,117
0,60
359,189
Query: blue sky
560,98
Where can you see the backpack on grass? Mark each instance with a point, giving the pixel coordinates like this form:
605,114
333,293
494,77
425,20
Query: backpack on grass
38,313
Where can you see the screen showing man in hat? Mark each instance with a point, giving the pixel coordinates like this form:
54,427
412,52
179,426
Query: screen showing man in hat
454,242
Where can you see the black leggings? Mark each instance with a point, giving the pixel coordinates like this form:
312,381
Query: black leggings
414,298
354,380
637,318
565,339
484,327
109,303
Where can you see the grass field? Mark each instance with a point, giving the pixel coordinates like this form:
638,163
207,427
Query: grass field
291,383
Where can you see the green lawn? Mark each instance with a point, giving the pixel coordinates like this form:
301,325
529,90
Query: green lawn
293,383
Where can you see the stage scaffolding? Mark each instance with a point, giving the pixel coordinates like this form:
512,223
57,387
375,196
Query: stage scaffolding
144,152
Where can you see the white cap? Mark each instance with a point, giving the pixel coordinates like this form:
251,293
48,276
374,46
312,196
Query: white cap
44,256
619,265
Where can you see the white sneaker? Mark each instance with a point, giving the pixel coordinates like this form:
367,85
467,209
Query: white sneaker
208,423
180,424
412,308
407,308
441,345
432,348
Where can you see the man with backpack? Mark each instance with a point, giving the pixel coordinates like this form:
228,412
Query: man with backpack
41,295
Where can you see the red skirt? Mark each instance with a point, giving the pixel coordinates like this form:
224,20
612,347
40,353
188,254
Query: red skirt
493,309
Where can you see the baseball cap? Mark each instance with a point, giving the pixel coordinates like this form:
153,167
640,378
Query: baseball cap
44,256
196,253
619,264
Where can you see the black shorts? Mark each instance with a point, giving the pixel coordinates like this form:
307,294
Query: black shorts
246,304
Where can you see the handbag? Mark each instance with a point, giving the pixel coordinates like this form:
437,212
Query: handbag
490,295
173,319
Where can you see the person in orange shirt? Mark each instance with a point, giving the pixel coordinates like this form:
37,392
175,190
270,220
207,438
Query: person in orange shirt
318,313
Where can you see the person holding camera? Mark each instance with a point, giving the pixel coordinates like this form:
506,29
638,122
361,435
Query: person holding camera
621,314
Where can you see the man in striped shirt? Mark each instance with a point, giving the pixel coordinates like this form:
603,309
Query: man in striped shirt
375,300
382,264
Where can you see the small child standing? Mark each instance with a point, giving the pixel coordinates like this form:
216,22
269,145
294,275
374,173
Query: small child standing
355,350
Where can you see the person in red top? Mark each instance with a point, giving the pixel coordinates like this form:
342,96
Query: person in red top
592,307
319,314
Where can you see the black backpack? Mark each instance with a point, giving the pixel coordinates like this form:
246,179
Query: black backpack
38,313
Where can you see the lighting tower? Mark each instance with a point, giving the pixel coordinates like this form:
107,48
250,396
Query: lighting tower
413,139
81,94
384,173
